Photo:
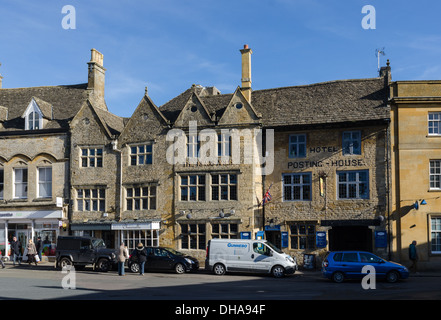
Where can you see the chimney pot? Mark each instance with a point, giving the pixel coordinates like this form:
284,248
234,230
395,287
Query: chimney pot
245,46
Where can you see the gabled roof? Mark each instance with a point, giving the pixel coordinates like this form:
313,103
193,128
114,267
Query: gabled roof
111,124
65,101
321,103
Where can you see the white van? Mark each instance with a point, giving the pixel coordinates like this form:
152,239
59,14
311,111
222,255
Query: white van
224,255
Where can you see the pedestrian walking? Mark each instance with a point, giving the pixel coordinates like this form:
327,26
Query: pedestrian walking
141,253
32,251
123,254
39,247
413,256
15,250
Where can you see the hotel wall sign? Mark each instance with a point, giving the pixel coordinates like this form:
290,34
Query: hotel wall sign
325,163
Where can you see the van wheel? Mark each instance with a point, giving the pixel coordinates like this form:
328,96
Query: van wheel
338,277
103,265
278,271
219,269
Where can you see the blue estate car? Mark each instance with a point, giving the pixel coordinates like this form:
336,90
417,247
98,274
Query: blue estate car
341,265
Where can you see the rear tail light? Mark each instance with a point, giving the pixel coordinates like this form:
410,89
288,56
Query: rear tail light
325,263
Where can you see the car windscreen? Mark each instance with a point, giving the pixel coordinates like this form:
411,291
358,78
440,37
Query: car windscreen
98,243
269,244
176,253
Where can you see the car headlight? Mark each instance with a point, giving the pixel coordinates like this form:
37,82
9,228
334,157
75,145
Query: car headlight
289,259
189,261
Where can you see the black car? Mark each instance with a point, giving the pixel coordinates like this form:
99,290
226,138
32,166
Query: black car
159,258
83,251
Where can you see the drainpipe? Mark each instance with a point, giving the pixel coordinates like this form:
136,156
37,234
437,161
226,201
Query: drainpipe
115,148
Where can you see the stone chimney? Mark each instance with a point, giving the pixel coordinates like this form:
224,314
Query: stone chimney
96,79
246,72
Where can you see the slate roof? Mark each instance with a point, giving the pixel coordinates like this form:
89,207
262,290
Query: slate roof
62,101
321,103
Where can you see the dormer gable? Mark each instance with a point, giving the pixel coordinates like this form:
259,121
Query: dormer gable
36,113
146,122
194,110
239,111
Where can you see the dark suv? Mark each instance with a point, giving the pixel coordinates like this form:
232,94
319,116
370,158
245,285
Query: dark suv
83,251
164,259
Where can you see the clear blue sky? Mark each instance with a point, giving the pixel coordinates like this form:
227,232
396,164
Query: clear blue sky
168,45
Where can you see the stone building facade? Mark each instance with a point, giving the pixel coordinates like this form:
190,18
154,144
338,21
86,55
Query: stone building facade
34,162
198,167
416,174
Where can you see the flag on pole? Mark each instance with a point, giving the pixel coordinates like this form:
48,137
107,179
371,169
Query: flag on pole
267,197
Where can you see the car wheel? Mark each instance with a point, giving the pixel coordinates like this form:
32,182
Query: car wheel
392,276
278,271
65,263
338,277
103,265
134,267
219,269
179,268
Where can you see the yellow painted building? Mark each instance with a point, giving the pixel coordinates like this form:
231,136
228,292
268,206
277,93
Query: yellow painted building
416,171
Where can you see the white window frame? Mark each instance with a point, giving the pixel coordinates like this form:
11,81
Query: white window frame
193,146
435,234
224,145
21,183
33,116
435,174
434,123
46,182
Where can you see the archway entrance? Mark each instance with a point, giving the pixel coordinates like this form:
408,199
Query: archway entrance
350,238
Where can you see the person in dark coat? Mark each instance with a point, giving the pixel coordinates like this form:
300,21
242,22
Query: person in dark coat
15,250
39,247
141,253
413,256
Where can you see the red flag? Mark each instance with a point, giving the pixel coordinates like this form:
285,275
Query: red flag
267,197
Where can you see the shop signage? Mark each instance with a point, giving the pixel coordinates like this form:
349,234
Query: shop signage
136,226
43,214
245,235
381,239
320,239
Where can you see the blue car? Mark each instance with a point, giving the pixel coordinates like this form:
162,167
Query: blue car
341,265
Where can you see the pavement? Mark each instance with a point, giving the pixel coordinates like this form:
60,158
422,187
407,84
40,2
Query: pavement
305,272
